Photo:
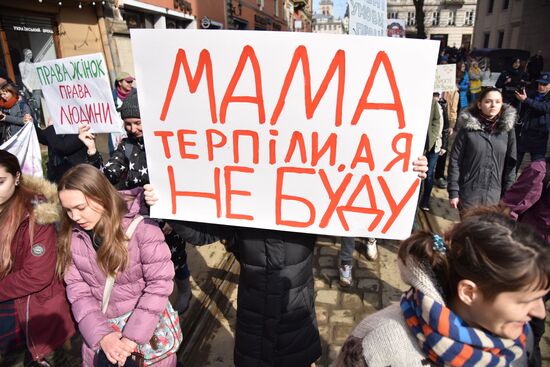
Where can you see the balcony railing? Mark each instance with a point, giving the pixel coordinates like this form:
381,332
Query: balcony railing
452,3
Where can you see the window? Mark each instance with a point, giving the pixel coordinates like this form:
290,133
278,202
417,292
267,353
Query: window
469,18
411,20
486,37
276,4
490,7
452,17
500,39
435,18
505,4
393,15
138,20
260,4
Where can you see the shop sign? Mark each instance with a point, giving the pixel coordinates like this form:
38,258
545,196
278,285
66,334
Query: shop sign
31,29
205,22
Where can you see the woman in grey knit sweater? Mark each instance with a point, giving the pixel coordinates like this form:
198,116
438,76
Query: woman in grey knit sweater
472,295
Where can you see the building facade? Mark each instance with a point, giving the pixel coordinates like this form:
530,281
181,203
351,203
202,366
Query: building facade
298,15
61,28
50,31
324,20
260,15
520,24
449,21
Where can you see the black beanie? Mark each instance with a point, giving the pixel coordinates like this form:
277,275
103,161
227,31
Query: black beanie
130,107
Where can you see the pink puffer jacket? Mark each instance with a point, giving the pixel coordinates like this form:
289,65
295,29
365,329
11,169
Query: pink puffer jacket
144,286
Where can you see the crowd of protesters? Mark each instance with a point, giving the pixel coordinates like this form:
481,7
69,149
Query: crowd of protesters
80,255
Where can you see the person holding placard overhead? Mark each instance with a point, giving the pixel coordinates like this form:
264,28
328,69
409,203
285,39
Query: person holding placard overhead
276,319
118,272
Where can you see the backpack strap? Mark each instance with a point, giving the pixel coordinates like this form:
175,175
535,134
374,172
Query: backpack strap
110,281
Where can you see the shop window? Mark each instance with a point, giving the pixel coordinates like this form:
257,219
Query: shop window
138,20
23,33
28,39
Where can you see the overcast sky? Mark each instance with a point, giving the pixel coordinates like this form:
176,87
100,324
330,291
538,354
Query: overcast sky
339,7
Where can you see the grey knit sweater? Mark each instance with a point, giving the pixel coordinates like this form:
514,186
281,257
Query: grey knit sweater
385,337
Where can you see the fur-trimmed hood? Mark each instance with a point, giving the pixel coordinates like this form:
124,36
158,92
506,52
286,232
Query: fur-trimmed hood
505,122
47,207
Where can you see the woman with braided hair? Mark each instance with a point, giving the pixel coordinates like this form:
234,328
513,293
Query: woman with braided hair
473,292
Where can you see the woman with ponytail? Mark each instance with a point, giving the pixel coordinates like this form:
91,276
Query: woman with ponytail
34,313
104,243
473,292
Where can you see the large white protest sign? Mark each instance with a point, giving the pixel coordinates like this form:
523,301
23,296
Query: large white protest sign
445,78
299,132
25,146
367,17
77,90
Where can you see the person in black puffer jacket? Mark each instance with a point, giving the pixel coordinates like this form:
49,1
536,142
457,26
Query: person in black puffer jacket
276,322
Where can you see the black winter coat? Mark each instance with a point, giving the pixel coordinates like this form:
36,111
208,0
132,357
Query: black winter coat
64,151
482,162
276,322
535,118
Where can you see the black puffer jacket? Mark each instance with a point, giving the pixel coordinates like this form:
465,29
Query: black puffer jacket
276,323
64,151
482,161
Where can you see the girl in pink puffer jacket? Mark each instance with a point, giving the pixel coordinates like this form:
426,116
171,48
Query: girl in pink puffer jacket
91,245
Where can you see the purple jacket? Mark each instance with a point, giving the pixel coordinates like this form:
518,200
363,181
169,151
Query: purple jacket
144,286
529,199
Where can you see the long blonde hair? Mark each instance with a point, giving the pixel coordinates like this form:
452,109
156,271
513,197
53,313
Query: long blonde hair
113,252
15,209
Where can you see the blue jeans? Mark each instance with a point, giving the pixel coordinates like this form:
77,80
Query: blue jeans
346,250
429,181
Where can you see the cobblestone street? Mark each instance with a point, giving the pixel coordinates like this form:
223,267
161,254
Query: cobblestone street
376,284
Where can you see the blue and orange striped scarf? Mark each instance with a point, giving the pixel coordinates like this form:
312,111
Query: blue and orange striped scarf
447,340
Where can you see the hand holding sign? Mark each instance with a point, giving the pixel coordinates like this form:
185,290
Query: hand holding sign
150,195
420,165
27,118
87,137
